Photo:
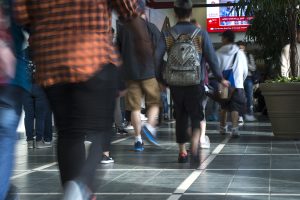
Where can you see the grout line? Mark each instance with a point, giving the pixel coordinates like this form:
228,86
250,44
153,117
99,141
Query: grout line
41,168
174,197
34,170
184,186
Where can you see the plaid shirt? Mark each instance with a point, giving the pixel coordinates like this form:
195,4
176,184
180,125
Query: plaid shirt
71,39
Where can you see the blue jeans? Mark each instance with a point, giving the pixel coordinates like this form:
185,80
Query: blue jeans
10,111
248,86
36,106
164,99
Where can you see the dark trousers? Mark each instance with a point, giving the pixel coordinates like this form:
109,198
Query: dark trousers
82,109
36,107
187,105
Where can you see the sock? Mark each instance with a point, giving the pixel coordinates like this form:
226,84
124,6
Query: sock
138,139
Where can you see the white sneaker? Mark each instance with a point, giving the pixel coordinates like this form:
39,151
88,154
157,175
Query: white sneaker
129,127
42,145
241,121
76,191
143,117
206,144
235,132
249,118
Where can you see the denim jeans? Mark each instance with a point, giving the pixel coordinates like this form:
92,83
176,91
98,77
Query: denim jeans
164,99
248,85
10,111
36,106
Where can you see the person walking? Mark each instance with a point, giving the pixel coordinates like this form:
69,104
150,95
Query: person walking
139,75
76,61
187,98
234,65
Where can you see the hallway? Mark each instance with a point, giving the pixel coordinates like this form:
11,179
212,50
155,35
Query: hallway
255,166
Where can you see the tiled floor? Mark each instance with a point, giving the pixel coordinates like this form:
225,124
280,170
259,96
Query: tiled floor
255,166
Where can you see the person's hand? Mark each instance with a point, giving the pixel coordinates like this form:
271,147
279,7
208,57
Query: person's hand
225,83
162,87
122,93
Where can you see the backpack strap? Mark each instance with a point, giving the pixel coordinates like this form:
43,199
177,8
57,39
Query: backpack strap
195,33
234,58
174,35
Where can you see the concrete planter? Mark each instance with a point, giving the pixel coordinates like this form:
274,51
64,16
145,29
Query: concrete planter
283,104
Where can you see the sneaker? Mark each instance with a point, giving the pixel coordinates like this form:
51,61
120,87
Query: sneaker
143,117
128,127
48,143
30,144
139,146
121,131
150,133
241,121
235,132
206,144
183,158
223,130
41,145
76,190
250,118
107,159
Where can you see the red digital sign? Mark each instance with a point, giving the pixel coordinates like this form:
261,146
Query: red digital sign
220,19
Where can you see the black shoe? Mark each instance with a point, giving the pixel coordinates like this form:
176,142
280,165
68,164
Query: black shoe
107,159
121,131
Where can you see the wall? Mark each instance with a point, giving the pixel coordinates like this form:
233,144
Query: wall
157,16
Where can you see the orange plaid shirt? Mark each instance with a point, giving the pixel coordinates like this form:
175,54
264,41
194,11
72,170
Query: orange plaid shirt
71,39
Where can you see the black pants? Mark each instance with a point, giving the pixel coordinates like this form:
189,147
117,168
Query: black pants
82,109
187,104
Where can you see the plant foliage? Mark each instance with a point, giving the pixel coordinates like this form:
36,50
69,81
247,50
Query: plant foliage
274,25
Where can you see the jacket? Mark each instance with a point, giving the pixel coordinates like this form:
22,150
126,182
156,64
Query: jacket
240,66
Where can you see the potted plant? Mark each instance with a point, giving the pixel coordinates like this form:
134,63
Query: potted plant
274,25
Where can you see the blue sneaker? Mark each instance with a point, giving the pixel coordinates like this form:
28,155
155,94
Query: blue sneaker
138,146
150,135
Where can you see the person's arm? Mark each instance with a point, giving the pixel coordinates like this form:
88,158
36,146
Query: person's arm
285,63
125,8
159,58
251,63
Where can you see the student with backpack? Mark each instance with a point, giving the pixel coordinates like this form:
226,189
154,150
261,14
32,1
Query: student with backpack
234,65
186,46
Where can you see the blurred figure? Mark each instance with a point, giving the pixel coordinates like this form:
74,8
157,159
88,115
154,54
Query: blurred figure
140,79
233,62
285,57
37,113
187,99
248,84
12,85
76,64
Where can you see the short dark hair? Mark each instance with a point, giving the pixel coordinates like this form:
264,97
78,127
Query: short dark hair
182,13
229,35
240,42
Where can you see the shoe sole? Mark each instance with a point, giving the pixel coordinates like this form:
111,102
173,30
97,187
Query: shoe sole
149,136
139,150
107,162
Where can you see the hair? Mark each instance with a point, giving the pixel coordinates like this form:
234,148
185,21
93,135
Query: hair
240,42
182,13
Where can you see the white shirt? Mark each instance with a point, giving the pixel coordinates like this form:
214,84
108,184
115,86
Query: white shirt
285,60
